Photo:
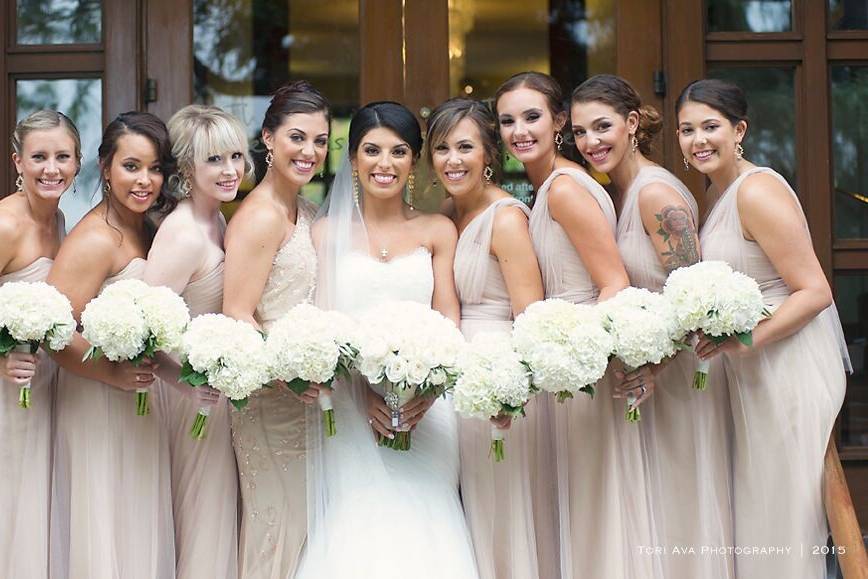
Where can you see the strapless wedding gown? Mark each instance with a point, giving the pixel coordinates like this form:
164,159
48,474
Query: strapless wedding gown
387,514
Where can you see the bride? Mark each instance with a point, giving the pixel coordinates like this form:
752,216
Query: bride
374,512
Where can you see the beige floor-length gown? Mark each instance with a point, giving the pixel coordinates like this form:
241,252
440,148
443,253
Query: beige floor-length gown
784,398
686,432
601,505
25,453
496,496
204,474
111,511
269,434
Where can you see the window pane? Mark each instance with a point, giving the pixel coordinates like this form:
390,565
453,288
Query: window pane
771,133
246,49
848,15
852,301
850,150
59,21
750,15
81,101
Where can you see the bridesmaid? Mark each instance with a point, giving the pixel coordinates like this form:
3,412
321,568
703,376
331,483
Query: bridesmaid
271,267
684,431
111,502
187,256
786,389
47,156
497,276
598,512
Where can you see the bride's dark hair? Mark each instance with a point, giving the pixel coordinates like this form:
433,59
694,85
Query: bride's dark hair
389,115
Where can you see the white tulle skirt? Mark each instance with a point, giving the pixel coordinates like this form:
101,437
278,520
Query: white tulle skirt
379,513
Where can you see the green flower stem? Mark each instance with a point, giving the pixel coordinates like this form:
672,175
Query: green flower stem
24,396
198,430
632,413
142,406
328,422
700,377
497,449
400,442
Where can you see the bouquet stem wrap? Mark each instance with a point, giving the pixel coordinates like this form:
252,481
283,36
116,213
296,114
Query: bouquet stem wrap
497,436
328,412
25,390
199,423
143,408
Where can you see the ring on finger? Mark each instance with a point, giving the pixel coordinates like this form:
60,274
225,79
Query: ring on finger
371,421
643,389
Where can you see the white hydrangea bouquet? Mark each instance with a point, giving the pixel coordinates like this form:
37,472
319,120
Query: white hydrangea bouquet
710,297
309,345
642,326
409,349
31,314
492,381
565,346
226,354
132,321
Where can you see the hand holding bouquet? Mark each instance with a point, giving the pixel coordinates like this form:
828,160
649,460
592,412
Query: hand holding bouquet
32,314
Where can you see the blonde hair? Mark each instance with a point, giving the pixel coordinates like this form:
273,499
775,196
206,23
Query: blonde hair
45,120
200,131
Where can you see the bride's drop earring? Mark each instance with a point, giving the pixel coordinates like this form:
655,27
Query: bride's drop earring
411,187
269,158
356,188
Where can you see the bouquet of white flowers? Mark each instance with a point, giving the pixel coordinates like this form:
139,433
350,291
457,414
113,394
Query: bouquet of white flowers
493,381
642,325
712,298
33,313
565,346
228,355
131,320
409,348
309,345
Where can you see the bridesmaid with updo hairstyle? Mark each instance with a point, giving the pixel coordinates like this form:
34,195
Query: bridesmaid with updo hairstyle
684,431
497,276
590,507
270,268
111,510
210,146
47,155
787,388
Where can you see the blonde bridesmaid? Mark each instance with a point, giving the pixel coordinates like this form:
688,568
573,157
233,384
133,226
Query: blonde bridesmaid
187,256
111,502
786,390
270,267
47,156
684,431
497,276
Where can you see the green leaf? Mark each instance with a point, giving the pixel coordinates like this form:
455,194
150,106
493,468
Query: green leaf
191,376
93,353
298,385
7,342
239,404
745,338
589,390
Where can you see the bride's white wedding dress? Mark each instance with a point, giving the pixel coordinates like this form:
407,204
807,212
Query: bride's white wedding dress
381,513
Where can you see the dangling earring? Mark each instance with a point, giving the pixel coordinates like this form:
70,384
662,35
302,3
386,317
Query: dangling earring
106,188
487,174
434,183
269,158
356,188
74,186
686,164
185,187
19,183
634,144
559,140
411,187
739,151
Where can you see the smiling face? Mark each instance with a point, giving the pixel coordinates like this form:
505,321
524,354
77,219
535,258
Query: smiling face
459,159
135,174
383,161
527,125
219,176
602,135
299,146
707,138
47,162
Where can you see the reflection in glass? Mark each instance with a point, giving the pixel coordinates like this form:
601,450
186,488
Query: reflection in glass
244,50
850,149
59,21
771,133
750,15
852,300
81,100
848,15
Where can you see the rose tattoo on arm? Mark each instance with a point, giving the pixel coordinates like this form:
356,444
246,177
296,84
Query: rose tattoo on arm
678,232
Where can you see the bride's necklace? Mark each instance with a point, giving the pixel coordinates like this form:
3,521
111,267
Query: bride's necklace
383,252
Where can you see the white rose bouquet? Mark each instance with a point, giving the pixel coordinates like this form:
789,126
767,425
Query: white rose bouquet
565,346
228,355
492,381
712,298
310,345
131,320
412,350
642,326
31,314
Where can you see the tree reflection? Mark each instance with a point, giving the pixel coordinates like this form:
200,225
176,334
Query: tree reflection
59,21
